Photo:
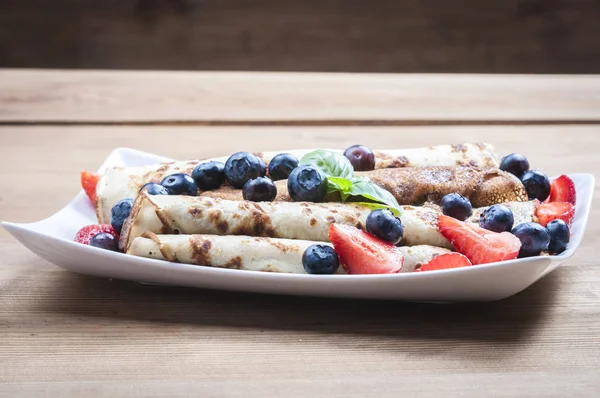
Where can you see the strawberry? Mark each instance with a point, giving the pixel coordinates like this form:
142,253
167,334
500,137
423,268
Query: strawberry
562,190
89,231
547,212
362,253
479,245
445,261
89,181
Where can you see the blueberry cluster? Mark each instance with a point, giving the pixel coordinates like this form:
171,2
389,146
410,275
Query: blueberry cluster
536,183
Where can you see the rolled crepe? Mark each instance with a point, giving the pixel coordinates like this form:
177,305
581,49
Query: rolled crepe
418,185
250,253
124,182
413,186
164,214
236,252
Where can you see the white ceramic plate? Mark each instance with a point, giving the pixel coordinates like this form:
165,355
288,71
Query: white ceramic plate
52,239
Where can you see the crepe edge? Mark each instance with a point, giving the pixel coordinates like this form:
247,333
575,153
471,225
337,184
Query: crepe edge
125,237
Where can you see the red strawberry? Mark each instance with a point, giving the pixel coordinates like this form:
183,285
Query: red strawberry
89,181
547,212
445,261
362,253
563,190
479,245
89,231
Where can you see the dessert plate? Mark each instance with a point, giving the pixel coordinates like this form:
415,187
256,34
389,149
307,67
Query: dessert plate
52,239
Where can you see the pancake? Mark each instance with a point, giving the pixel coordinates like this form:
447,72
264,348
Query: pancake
118,183
250,253
418,185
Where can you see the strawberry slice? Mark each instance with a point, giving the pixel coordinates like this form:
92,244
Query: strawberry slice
362,253
562,190
547,212
446,261
89,231
479,245
89,181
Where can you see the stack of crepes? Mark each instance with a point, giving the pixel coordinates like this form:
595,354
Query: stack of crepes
218,228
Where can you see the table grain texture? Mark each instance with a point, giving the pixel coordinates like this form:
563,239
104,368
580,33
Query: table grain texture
68,335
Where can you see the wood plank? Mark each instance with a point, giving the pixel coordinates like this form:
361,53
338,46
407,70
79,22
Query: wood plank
38,96
501,36
69,335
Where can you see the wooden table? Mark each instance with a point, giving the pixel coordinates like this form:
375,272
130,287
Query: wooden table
67,335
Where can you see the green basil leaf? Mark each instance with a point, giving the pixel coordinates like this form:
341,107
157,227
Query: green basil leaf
331,163
376,206
339,184
341,180
342,184
367,189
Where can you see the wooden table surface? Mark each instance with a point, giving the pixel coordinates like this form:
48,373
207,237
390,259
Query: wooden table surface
67,335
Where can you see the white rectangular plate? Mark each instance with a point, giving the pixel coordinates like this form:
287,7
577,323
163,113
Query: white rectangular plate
52,239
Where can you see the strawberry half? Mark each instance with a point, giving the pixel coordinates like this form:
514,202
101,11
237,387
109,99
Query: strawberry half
446,261
479,245
562,190
362,253
547,212
89,181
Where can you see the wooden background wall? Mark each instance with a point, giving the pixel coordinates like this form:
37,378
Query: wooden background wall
497,36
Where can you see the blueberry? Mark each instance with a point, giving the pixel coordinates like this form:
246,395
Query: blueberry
120,212
457,206
497,218
361,157
534,238
307,184
384,225
243,166
260,189
209,175
104,240
154,189
180,184
282,165
536,184
320,259
560,235
515,163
